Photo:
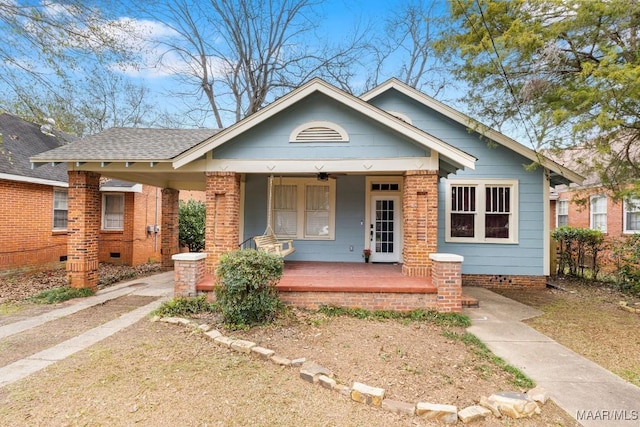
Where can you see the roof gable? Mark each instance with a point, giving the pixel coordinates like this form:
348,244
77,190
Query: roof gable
559,173
361,137
454,155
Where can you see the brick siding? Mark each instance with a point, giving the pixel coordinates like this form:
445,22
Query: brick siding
27,239
499,281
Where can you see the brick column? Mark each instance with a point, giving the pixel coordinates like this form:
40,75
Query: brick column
223,216
189,271
420,221
446,275
83,229
169,231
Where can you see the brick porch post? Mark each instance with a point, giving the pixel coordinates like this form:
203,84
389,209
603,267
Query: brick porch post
223,216
446,276
420,221
169,230
83,228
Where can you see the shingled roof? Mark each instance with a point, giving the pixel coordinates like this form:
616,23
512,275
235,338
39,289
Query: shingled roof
22,140
130,144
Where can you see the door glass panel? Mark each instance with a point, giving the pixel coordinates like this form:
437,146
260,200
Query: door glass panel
384,226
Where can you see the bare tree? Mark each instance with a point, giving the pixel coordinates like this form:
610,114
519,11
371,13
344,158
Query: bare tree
95,102
241,54
57,59
406,49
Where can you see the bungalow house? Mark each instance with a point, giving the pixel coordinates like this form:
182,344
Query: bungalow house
34,208
392,171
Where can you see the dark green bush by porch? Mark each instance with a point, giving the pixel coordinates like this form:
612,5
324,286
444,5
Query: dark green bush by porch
191,224
246,292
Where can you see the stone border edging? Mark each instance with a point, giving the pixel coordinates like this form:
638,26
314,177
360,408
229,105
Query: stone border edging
507,404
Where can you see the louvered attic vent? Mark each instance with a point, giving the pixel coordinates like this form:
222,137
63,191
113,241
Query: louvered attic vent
319,132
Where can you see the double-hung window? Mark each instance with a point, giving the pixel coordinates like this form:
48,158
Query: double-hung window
598,218
562,213
304,208
481,211
632,215
60,209
113,211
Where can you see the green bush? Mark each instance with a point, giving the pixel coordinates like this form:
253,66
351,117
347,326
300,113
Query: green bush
246,293
579,247
626,254
191,224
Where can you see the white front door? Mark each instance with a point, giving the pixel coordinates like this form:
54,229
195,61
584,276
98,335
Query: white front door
384,230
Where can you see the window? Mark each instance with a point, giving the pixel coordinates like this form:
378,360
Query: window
60,209
304,208
113,211
386,186
481,211
562,213
632,215
599,213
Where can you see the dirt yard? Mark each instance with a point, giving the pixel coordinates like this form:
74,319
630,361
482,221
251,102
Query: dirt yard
587,318
157,374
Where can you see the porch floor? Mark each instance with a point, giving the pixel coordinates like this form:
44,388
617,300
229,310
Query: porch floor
308,276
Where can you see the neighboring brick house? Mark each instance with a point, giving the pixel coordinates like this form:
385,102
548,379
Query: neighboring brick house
591,205
34,206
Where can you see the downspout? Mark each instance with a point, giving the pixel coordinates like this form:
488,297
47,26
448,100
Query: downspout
155,224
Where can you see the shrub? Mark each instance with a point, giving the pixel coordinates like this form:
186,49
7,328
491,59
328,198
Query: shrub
579,247
626,254
246,293
191,224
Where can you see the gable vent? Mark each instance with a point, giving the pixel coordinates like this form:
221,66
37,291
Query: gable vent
319,132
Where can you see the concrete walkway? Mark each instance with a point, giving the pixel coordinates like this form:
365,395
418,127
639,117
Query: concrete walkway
159,285
586,391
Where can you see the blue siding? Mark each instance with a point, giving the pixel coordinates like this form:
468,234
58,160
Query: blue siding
350,204
494,161
367,139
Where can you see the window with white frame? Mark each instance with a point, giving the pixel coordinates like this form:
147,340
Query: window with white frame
562,213
60,209
113,211
482,211
632,215
598,213
304,208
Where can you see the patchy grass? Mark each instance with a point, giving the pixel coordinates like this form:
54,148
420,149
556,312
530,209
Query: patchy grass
585,317
184,307
519,379
64,293
440,319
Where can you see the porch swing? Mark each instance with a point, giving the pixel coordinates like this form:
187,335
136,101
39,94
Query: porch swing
268,242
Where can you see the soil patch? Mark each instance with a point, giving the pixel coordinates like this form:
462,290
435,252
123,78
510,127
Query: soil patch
16,347
586,317
155,374
19,286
